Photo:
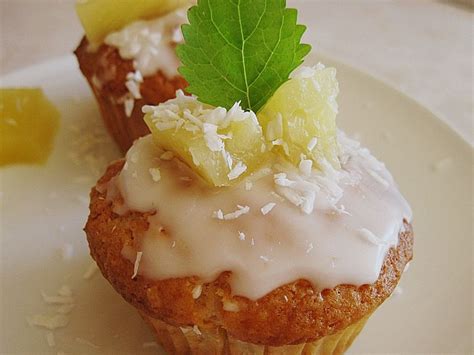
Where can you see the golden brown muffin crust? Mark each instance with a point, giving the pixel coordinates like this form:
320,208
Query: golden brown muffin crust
291,314
106,73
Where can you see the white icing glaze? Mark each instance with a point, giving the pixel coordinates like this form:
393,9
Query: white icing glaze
344,240
151,44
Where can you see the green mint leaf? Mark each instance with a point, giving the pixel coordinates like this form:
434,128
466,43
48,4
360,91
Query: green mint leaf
240,50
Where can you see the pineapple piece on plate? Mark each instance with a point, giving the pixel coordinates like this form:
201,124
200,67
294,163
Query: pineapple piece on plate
101,17
300,118
28,125
222,146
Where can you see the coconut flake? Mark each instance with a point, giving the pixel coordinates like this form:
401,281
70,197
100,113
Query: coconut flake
241,236
236,214
137,264
306,167
134,88
196,330
238,170
218,214
212,139
312,143
342,210
248,185
56,299
48,321
281,180
195,159
129,104
155,174
135,76
267,208
230,306
196,292
275,128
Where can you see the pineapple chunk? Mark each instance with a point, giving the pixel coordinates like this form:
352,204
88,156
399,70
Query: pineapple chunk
222,146
101,17
300,118
28,124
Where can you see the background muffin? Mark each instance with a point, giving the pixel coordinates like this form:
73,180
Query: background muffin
132,67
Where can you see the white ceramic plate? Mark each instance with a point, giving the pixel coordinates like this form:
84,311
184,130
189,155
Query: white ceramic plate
43,209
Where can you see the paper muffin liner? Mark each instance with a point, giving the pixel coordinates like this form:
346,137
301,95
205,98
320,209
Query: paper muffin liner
193,340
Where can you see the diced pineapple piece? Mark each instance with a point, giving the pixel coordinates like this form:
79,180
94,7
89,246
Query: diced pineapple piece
28,124
300,118
222,146
101,17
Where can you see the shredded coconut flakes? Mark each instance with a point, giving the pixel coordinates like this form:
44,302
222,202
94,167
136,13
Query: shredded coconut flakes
267,208
48,321
128,105
155,174
134,89
218,214
57,299
236,214
248,185
312,143
237,170
306,166
137,264
196,330
196,292
230,306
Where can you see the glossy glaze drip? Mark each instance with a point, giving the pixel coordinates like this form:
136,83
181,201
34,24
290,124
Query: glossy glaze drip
342,241
151,44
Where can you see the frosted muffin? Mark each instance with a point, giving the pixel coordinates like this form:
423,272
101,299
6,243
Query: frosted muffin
245,269
246,222
133,66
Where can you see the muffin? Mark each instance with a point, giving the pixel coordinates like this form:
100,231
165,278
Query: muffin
132,67
259,279
246,222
